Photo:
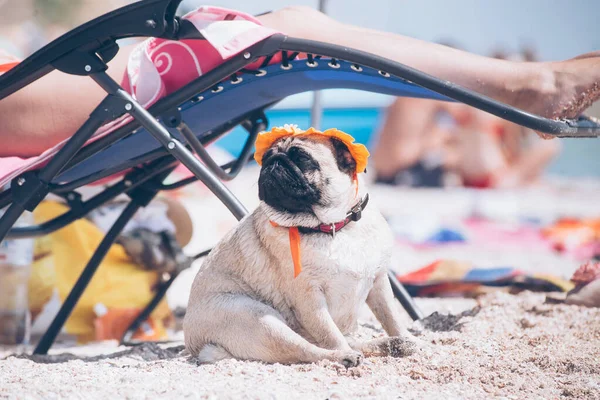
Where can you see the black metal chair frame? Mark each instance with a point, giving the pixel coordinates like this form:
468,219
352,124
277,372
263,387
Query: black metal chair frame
87,50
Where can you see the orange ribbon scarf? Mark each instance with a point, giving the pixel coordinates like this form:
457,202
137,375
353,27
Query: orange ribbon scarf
294,236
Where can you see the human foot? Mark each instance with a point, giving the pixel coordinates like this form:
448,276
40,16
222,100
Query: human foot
561,89
578,82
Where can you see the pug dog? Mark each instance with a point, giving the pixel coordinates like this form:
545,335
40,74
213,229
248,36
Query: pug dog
246,302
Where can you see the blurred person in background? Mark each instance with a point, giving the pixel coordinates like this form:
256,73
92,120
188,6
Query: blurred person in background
428,143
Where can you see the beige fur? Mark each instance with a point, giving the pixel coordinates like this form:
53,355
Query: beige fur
245,302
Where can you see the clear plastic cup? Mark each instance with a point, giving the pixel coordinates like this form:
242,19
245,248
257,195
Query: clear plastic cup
16,257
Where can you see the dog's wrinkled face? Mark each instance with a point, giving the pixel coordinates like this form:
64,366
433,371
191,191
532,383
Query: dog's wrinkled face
307,180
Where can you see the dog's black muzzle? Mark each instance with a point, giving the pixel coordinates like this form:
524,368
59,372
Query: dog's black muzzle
283,186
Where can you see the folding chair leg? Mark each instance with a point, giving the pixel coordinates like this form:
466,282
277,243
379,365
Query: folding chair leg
8,219
405,298
161,291
85,278
29,189
173,146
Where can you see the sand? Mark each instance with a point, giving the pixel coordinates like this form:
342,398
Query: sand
505,346
499,345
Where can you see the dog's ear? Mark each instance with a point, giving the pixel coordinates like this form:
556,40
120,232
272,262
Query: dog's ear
343,157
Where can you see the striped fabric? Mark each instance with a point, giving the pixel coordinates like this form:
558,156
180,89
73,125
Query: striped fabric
455,278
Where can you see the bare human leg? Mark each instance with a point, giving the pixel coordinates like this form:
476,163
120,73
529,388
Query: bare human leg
551,89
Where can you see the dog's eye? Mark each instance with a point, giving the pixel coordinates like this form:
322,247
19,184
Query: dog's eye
302,159
295,153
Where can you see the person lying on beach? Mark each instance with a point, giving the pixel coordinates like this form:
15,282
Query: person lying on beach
427,143
437,144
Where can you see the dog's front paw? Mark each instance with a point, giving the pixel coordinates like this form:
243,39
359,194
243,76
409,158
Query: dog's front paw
398,347
350,358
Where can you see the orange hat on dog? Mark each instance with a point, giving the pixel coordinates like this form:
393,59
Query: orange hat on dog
266,139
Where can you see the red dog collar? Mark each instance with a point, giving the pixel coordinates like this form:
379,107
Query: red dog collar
353,215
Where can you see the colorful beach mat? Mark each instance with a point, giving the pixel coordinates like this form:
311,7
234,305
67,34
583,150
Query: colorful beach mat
455,278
